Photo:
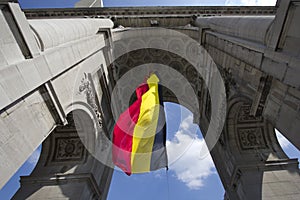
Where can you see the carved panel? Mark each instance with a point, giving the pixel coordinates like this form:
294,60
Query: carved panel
252,138
68,149
71,126
230,83
245,117
155,52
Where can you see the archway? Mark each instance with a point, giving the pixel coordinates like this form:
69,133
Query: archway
244,136
188,177
66,168
254,159
246,154
289,149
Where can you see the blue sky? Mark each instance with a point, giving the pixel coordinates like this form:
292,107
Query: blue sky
188,177
114,3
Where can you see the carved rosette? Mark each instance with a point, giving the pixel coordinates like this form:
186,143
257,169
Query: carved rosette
68,149
252,138
250,129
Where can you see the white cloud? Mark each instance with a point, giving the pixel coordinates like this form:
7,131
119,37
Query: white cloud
33,159
250,2
284,143
159,173
184,156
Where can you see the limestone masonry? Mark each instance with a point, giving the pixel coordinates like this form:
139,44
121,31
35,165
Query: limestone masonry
59,68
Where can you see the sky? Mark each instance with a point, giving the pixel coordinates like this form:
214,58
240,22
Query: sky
116,3
188,177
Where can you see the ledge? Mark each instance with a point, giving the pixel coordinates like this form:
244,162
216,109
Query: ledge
159,11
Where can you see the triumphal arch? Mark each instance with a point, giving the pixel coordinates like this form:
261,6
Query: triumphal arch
65,74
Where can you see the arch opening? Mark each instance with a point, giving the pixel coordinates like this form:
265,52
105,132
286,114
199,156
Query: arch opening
188,174
67,164
176,73
132,62
289,149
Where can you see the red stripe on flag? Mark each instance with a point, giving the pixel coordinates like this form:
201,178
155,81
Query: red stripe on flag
123,131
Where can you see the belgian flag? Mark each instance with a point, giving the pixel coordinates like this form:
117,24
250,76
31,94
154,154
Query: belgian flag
139,137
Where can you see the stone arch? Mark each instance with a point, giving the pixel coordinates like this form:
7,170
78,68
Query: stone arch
66,167
238,180
249,134
182,54
179,67
253,161
133,48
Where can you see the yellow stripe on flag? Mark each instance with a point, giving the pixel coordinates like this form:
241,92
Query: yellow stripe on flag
145,129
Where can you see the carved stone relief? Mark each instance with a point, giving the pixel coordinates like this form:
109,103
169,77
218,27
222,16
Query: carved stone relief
68,149
252,138
245,117
250,129
86,87
67,146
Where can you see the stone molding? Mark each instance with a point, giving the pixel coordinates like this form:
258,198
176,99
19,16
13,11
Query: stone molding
146,12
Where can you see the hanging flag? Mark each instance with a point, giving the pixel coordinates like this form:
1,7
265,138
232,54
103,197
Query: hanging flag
139,138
